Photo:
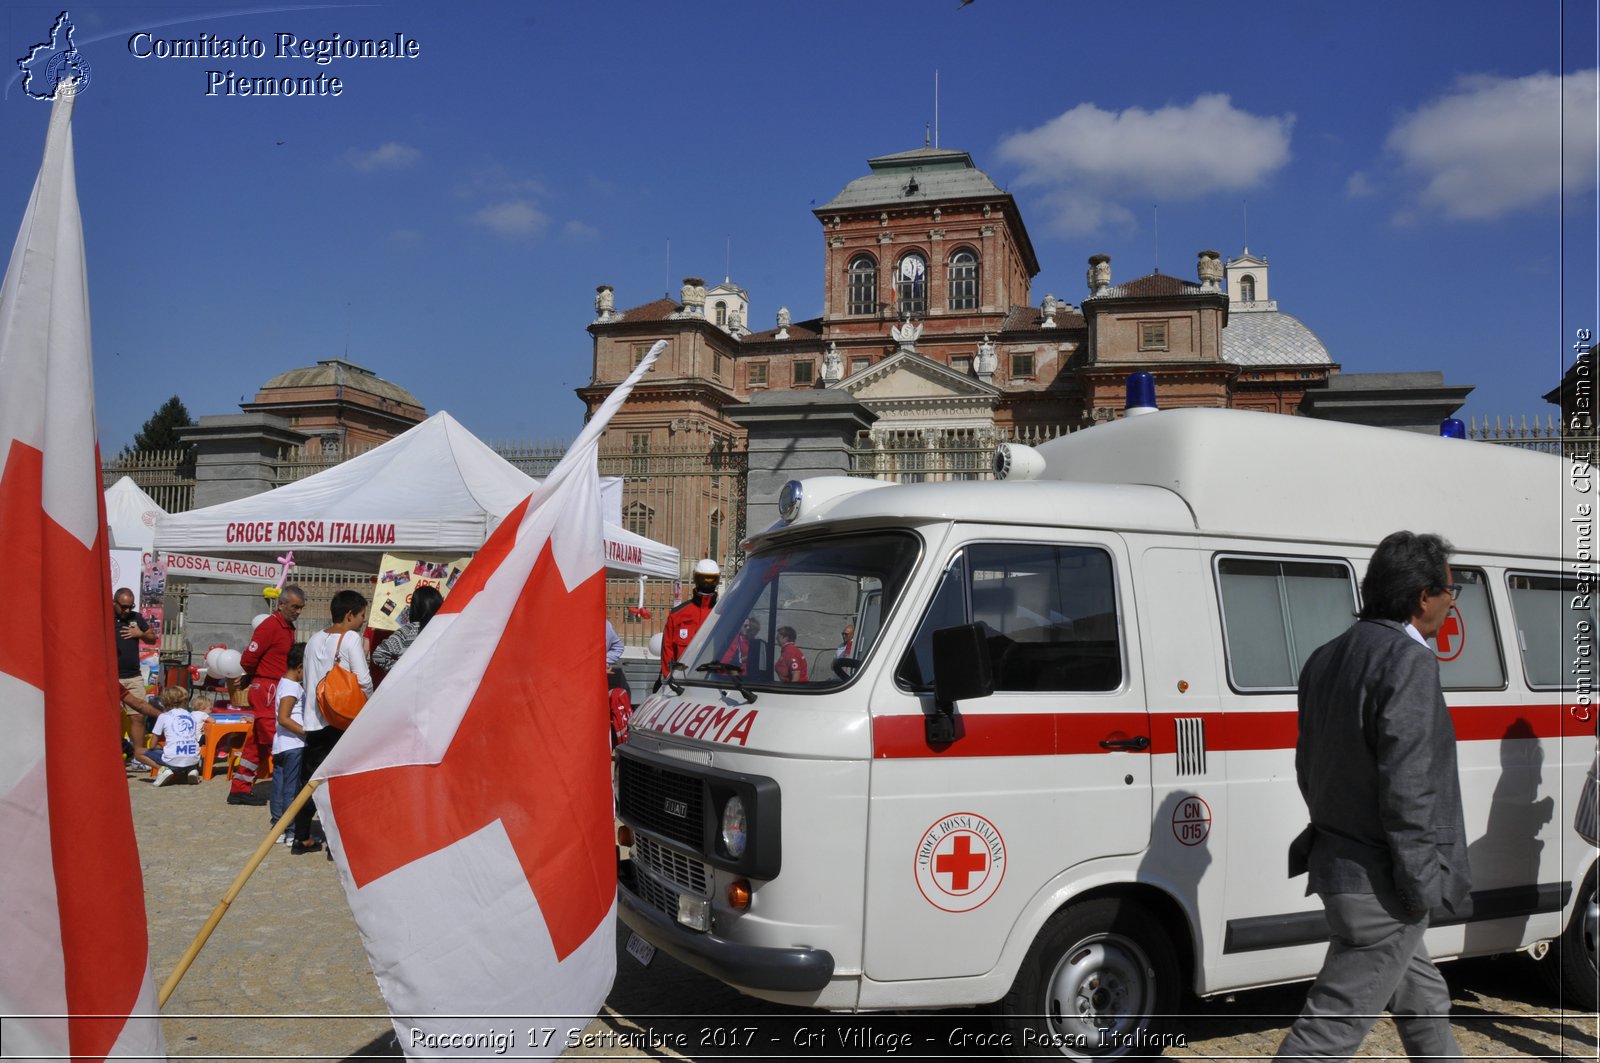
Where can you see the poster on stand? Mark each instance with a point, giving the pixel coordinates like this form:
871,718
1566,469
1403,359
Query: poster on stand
398,579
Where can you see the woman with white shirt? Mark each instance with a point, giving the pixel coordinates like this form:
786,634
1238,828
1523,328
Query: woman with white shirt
342,638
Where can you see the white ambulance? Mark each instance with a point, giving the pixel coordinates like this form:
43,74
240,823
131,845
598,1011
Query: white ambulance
1052,768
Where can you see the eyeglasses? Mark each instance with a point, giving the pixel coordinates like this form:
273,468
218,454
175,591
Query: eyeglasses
1453,590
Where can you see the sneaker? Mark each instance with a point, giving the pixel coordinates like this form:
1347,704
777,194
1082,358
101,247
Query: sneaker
164,776
248,799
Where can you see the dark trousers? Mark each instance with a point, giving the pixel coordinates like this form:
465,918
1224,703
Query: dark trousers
318,745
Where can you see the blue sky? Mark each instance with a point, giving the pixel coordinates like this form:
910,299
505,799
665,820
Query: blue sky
446,218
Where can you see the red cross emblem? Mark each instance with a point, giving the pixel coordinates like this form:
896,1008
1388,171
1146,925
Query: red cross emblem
1452,637
960,862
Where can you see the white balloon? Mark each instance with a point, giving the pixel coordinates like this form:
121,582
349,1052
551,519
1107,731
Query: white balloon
229,665
655,644
259,620
211,659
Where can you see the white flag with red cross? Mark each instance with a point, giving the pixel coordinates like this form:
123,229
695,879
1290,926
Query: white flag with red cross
469,805
75,981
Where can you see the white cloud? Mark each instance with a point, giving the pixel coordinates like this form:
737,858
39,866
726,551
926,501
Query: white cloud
1091,161
513,218
390,156
580,231
1359,186
1494,146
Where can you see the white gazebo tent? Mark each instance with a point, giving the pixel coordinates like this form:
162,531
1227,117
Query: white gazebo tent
435,489
131,516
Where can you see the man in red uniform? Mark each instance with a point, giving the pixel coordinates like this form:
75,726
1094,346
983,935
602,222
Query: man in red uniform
264,661
685,620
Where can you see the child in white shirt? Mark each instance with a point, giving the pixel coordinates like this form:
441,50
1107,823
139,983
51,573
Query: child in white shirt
290,742
181,728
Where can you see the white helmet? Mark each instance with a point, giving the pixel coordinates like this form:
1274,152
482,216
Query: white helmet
706,576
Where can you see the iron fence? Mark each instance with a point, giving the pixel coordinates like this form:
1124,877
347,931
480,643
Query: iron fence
933,455
1546,438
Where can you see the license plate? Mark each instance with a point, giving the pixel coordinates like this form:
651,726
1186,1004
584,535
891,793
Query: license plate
640,949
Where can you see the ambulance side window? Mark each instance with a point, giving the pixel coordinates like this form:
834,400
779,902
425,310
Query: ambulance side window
1050,613
1554,617
949,609
1275,611
1468,645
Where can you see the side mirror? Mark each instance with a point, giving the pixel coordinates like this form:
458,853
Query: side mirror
655,645
961,672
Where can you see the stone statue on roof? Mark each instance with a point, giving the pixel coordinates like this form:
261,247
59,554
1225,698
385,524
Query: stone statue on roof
906,333
832,365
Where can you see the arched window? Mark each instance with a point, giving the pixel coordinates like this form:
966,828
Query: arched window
863,285
964,280
638,517
722,314
911,285
1247,289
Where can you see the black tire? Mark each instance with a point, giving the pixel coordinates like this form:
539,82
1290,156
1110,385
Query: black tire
1570,966
1097,984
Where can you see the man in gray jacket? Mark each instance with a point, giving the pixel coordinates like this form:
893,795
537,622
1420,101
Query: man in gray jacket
1376,760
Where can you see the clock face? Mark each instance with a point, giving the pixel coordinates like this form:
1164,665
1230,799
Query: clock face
912,268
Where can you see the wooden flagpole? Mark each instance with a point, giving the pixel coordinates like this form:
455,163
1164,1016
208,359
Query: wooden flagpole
221,909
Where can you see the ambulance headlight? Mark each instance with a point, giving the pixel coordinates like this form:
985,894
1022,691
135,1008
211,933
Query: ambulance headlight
734,832
789,500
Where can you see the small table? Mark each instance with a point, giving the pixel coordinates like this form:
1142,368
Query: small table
216,731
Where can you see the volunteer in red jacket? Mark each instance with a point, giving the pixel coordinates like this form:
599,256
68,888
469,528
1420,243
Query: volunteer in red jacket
685,620
264,661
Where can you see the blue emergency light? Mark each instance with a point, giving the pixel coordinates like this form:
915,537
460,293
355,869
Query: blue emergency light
1141,394
1452,428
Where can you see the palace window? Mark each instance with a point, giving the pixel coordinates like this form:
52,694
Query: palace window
722,314
962,364
1152,335
804,374
963,280
638,447
1247,289
637,518
911,285
858,364
1021,366
639,352
863,285
758,374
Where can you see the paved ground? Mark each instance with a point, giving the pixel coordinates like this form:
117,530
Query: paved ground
284,977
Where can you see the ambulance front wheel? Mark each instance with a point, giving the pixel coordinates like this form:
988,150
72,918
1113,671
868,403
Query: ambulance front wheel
1095,985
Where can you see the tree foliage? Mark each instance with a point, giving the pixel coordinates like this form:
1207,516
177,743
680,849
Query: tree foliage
160,432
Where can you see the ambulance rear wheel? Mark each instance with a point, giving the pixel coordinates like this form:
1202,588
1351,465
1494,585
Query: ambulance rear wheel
1096,984
1570,966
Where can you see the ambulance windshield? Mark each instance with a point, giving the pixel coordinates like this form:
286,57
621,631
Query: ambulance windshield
804,615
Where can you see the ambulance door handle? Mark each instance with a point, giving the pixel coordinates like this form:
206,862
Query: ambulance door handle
1136,745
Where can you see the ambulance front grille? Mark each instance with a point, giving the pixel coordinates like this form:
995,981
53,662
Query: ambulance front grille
1191,745
671,865
661,800
657,894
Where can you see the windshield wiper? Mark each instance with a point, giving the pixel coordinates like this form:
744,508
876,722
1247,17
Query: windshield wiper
722,668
